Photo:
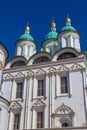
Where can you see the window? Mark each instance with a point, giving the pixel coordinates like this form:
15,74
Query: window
41,60
86,91
40,91
64,86
0,113
66,56
16,121
65,125
39,119
19,90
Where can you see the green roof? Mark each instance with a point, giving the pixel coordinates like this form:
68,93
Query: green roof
51,34
26,36
68,27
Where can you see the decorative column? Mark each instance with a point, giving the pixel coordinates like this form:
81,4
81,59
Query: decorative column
34,119
29,109
46,116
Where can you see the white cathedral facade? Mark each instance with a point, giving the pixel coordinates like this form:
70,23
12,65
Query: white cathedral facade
45,90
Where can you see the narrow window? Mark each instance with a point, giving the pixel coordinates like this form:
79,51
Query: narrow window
0,113
39,119
19,90
86,91
16,121
40,91
65,124
64,86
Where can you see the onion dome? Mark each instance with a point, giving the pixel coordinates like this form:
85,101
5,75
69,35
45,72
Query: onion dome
52,33
68,25
26,35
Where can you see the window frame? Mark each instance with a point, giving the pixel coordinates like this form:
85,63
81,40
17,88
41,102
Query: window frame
63,84
43,88
40,123
19,91
40,87
16,124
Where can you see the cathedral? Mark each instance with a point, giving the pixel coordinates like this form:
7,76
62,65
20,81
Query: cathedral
46,89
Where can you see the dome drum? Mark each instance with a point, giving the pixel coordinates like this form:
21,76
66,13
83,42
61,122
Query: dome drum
69,39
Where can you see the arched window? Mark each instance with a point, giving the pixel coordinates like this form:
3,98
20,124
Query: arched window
41,59
66,56
65,124
63,116
18,63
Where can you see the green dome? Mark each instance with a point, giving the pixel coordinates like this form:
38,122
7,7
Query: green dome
51,34
68,27
26,36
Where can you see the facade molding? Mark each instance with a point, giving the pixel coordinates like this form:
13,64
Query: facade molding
63,110
49,71
38,104
43,65
15,106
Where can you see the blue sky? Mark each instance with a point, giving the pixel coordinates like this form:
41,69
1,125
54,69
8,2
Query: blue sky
14,15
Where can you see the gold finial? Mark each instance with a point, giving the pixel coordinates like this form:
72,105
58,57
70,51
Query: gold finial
53,24
41,50
27,28
68,20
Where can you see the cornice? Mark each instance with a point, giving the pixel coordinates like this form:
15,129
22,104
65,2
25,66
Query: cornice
44,65
45,71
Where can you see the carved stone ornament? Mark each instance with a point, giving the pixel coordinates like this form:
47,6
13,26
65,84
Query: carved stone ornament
38,104
75,67
63,68
40,72
8,77
52,70
19,75
30,73
15,106
63,110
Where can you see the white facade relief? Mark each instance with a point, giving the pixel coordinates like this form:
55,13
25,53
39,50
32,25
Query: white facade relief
47,89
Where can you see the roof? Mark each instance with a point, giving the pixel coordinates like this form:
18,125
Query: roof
68,27
26,36
51,34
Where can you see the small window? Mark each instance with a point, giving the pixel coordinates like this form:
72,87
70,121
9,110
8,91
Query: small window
40,91
66,56
86,91
41,60
40,120
18,63
19,90
64,85
65,125
16,121
0,113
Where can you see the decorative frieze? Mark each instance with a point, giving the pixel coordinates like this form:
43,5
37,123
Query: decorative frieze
63,110
19,75
76,67
49,71
8,77
30,73
15,106
62,68
40,72
38,104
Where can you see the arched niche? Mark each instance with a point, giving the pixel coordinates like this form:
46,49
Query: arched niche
16,61
66,55
17,64
41,60
40,57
